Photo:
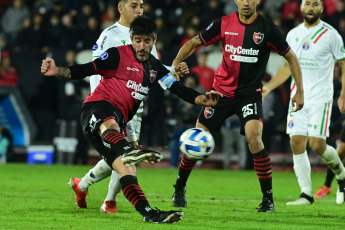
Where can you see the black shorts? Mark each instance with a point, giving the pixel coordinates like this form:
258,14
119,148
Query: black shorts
93,114
248,108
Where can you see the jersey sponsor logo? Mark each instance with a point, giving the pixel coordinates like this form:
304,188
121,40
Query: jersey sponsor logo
123,42
241,51
305,46
291,124
153,75
258,37
103,41
342,49
244,59
94,47
231,33
208,112
209,26
132,69
103,56
138,89
309,64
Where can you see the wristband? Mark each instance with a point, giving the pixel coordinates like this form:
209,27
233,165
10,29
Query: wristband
173,72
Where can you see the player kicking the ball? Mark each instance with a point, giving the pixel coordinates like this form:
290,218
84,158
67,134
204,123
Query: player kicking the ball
115,100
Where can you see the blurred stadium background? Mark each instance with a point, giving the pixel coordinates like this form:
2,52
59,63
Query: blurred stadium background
40,116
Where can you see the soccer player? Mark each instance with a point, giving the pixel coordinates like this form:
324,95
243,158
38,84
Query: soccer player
113,36
247,38
128,74
317,46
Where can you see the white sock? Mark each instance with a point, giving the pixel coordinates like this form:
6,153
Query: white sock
302,168
114,187
331,158
97,173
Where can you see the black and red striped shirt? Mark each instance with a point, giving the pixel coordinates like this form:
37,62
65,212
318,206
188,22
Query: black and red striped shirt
246,49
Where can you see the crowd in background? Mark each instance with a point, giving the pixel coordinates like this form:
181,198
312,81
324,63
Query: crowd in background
31,30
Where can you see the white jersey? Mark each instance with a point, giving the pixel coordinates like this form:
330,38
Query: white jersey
317,49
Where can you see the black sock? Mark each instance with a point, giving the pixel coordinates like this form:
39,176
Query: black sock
115,141
186,167
135,195
329,177
262,165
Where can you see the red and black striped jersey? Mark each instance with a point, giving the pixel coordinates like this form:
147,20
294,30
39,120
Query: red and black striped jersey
126,81
246,50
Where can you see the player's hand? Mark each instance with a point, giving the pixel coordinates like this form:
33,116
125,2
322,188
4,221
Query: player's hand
48,67
178,70
297,101
265,91
210,99
341,103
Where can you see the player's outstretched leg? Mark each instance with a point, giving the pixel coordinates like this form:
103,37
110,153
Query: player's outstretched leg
136,196
79,194
179,196
141,155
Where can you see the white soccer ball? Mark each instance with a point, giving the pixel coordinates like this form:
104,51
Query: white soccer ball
196,143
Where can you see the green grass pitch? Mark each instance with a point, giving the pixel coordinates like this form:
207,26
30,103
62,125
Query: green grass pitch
38,197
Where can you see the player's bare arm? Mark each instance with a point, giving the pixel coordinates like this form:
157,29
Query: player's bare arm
186,50
49,69
298,99
341,99
281,76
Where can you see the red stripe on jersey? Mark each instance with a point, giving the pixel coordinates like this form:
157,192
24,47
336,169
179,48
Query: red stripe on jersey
327,119
293,87
320,36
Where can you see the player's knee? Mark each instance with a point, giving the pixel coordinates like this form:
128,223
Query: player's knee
255,143
318,146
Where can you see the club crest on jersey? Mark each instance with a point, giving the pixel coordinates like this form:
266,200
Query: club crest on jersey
208,112
153,75
103,56
258,37
305,46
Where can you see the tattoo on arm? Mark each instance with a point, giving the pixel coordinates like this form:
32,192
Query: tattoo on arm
63,72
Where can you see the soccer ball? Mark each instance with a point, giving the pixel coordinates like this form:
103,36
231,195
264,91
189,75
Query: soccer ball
196,143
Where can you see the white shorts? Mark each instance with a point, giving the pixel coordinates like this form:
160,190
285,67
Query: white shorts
132,131
311,120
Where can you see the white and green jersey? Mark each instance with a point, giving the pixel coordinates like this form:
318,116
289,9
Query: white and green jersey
113,36
317,49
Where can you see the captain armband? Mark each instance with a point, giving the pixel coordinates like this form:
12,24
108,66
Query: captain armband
167,81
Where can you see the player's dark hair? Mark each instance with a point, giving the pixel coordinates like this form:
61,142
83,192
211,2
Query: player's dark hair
143,25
